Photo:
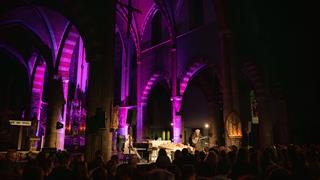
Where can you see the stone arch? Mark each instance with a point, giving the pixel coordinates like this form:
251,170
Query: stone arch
13,52
192,70
152,81
152,11
43,49
163,9
37,91
158,99
62,51
213,94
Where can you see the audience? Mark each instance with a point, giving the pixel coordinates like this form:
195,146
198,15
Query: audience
217,163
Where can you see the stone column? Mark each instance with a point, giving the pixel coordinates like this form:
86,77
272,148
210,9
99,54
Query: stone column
175,99
98,35
123,128
230,86
265,123
139,100
100,94
61,132
55,107
177,119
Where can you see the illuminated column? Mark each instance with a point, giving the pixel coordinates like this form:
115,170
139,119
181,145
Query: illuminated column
123,128
37,89
55,107
61,132
139,101
177,119
175,100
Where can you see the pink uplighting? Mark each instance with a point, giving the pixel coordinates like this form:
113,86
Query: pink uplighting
177,129
188,75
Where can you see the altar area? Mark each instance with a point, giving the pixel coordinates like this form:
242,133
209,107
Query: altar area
148,149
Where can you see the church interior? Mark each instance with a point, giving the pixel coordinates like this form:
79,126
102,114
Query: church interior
95,76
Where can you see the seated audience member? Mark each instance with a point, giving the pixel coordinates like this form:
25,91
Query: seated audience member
163,160
223,169
160,174
188,172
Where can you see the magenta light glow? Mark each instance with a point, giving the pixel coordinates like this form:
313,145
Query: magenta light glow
177,129
37,88
123,113
147,88
192,70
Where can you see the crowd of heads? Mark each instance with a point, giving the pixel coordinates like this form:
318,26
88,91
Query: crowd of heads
217,163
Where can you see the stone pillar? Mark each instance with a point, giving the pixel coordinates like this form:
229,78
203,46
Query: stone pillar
230,86
61,132
175,100
98,36
37,89
123,128
139,100
55,107
100,95
177,119
265,123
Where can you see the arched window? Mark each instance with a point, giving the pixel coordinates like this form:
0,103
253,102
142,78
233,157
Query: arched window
156,33
196,13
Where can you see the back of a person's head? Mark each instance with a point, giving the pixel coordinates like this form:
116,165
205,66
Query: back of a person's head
279,173
99,174
133,160
47,166
247,177
211,158
98,154
177,154
175,170
188,171
242,155
32,173
185,151
124,171
11,155
162,152
80,170
267,156
224,166
64,158
114,158
202,156
160,174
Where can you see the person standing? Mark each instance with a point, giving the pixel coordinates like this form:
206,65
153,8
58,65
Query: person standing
196,140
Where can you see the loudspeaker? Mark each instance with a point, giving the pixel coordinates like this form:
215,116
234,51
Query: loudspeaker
131,117
96,122
59,125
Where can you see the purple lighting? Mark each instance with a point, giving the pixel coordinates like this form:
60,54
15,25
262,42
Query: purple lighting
148,87
177,129
188,75
123,113
37,89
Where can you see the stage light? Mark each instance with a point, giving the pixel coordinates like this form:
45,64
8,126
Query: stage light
206,125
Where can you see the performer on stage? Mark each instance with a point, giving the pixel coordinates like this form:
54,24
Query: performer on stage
196,138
